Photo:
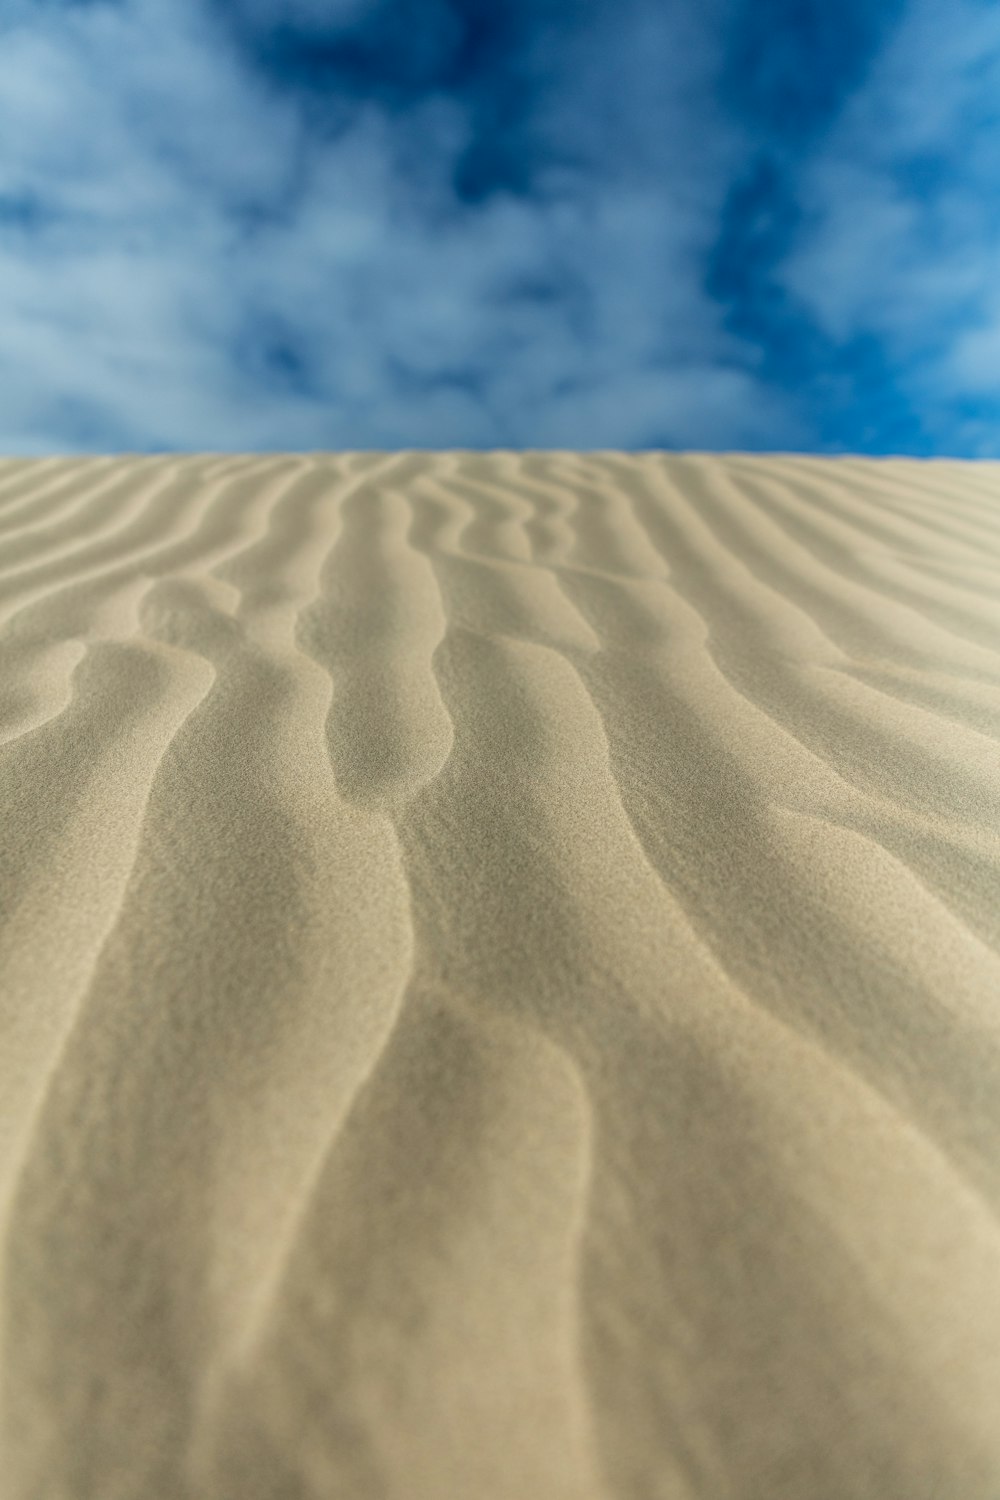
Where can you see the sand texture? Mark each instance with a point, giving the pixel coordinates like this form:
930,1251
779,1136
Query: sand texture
499,978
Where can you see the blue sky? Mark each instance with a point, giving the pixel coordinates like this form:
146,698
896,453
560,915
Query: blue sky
287,224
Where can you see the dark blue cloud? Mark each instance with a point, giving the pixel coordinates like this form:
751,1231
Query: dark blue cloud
25,212
845,392
792,63
395,50
272,352
393,54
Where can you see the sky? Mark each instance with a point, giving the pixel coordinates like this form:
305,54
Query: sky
259,225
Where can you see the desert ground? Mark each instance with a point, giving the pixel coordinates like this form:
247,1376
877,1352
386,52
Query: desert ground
499,977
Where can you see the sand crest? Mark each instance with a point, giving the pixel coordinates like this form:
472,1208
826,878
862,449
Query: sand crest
500,978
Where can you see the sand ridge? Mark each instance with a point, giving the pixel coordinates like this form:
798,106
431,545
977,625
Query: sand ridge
499,977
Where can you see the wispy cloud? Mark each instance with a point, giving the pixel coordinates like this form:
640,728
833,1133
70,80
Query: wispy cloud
373,223
899,239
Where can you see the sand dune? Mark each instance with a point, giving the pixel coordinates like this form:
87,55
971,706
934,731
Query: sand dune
500,978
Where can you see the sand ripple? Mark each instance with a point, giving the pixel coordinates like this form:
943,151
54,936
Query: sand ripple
500,978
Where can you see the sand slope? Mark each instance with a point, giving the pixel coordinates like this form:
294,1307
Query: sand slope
500,978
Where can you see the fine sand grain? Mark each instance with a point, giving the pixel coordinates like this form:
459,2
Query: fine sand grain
500,978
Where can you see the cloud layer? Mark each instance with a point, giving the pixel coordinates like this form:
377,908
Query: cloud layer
254,224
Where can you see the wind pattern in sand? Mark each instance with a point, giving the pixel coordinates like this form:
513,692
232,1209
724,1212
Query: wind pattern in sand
500,978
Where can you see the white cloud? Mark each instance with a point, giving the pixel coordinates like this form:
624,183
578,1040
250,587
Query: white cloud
902,234
186,209
974,358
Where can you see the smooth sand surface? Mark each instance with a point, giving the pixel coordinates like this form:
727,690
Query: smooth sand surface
500,978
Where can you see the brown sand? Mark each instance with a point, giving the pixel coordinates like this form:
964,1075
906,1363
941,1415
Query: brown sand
500,978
